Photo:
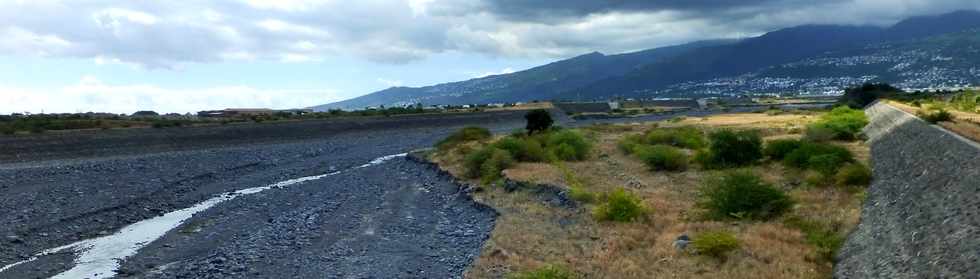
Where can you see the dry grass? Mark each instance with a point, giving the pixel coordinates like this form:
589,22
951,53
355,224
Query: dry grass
530,234
965,124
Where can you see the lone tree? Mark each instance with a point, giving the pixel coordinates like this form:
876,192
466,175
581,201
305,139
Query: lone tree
859,97
538,120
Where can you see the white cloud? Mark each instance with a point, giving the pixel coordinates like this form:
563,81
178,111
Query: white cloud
287,5
91,94
503,71
390,82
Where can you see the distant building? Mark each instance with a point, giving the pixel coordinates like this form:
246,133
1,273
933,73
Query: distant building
233,112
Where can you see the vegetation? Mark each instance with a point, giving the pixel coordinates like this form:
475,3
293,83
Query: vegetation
466,134
524,149
538,120
662,157
802,157
685,137
742,194
967,101
778,149
617,196
826,240
628,143
842,122
862,96
620,206
936,116
490,169
545,272
853,174
715,244
732,149
568,145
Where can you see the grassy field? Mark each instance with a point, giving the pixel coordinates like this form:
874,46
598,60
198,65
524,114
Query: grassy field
964,123
533,239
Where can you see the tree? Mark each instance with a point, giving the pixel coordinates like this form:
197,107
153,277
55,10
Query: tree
859,97
538,120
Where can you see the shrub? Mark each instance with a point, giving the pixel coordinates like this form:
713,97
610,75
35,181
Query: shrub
859,97
546,272
826,241
734,148
819,133
825,164
490,169
662,157
715,243
777,149
474,160
686,137
464,135
538,120
854,174
581,195
845,123
523,149
744,195
800,158
629,142
936,116
620,206
568,145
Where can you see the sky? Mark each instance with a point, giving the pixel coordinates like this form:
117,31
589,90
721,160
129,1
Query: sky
184,56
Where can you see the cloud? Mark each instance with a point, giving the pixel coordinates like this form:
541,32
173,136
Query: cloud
91,94
503,71
390,82
173,34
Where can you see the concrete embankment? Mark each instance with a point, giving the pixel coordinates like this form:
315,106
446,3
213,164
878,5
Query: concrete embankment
922,215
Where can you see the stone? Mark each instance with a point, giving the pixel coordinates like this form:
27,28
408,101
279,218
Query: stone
681,242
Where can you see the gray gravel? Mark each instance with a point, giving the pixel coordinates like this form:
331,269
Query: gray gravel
399,219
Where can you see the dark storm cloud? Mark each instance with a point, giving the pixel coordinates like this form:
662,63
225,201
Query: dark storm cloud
167,34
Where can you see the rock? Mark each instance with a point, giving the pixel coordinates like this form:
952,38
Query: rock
14,239
681,242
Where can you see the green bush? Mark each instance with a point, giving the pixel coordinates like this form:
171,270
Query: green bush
523,149
620,206
686,137
490,169
715,243
629,142
538,120
825,164
742,194
843,122
826,241
854,174
569,145
464,135
733,149
487,163
546,272
474,160
936,116
819,133
662,157
581,195
777,149
800,158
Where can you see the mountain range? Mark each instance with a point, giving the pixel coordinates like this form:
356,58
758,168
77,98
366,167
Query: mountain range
919,52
